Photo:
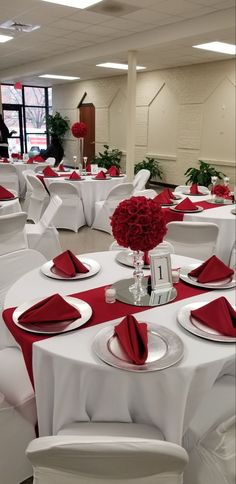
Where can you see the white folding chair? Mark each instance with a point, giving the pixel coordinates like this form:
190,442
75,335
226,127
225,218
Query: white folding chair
140,179
104,209
183,188
9,177
112,453
193,239
39,198
149,193
232,259
210,438
43,236
17,417
71,213
12,236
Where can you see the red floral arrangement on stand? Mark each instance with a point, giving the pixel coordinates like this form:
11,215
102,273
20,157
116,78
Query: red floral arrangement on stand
79,130
138,223
222,191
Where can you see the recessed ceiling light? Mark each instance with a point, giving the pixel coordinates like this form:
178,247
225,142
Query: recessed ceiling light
74,3
5,38
55,76
114,65
221,47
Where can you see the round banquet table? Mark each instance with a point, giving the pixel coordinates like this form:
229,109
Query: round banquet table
9,206
90,191
73,384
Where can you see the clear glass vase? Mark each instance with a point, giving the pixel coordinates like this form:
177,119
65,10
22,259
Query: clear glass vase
138,288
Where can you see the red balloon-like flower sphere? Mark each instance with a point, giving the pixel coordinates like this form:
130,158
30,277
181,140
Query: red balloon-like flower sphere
79,130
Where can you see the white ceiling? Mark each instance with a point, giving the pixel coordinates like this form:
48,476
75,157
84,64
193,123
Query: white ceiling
72,41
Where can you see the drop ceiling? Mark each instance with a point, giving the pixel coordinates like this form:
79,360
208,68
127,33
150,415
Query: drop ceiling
71,41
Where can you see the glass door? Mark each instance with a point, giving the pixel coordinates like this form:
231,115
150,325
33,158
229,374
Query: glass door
12,115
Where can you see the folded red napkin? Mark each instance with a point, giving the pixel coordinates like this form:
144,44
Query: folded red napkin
213,269
52,309
88,167
61,167
39,159
186,204
163,198
4,160
146,258
15,156
194,189
69,264
30,161
4,193
100,176
170,193
74,176
133,338
114,171
218,315
48,171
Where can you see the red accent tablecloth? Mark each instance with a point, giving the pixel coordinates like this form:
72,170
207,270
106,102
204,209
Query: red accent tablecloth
172,216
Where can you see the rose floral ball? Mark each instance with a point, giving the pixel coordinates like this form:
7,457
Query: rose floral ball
138,223
222,191
79,130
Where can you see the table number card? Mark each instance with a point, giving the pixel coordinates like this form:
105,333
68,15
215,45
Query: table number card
94,169
160,265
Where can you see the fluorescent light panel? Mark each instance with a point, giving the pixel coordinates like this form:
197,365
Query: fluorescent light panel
74,3
55,76
114,65
221,47
5,38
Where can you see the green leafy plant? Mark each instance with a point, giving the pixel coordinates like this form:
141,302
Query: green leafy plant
202,175
57,125
110,157
150,164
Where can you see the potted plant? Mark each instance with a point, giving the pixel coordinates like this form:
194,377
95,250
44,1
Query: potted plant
57,125
110,157
150,164
202,175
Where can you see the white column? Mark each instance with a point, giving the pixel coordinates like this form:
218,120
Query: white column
131,115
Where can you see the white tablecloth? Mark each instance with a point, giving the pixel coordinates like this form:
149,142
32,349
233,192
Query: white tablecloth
9,206
73,384
91,191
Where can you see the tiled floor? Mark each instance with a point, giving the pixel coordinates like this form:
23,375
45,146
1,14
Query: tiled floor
85,240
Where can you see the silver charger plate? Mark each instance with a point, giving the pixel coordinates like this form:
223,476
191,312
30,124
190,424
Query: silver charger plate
93,266
195,327
54,327
199,209
101,179
233,211
173,202
165,349
155,298
126,258
187,192
177,197
221,201
223,284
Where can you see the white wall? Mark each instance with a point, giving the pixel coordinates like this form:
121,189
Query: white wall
182,115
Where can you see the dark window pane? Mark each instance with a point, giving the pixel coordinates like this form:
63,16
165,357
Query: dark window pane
34,96
10,95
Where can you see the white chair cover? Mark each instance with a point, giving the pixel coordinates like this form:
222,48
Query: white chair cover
105,209
111,453
9,178
193,239
12,236
71,213
149,193
163,245
39,198
232,260
141,179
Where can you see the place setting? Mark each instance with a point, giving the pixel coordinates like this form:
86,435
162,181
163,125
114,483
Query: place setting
212,274
138,346
166,198
186,206
68,266
213,320
193,191
6,195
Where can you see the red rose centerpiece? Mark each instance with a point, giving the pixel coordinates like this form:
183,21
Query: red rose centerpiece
222,191
79,130
138,223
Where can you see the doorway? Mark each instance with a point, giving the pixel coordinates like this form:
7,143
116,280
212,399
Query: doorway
12,115
87,116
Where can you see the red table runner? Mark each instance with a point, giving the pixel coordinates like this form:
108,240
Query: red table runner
172,216
101,312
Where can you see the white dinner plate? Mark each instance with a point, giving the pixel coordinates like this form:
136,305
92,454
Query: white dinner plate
223,284
165,349
54,327
195,327
175,209
187,192
126,257
91,264
221,201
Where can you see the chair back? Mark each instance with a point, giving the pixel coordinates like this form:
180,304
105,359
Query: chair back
12,235
38,189
120,192
141,179
63,188
232,260
193,239
163,245
50,211
149,193
9,177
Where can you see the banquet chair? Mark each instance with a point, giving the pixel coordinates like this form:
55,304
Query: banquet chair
9,177
104,209
163,245
182,188
12,236
193,239
12,266
140,179
232,259
17,417
112,453
43,236
29,189
210,438
39,198
71,213
148,193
